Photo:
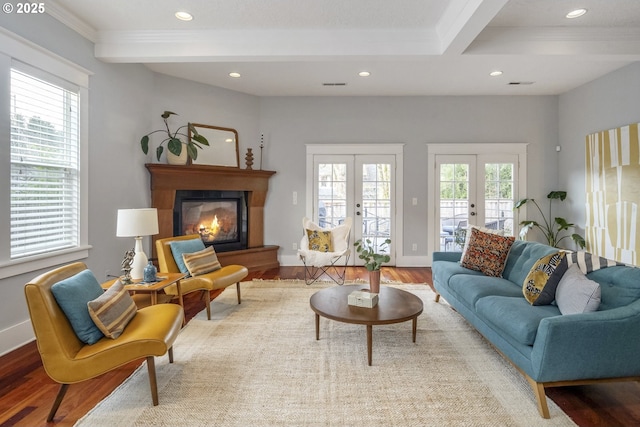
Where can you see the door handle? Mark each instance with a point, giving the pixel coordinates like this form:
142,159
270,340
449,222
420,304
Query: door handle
472,214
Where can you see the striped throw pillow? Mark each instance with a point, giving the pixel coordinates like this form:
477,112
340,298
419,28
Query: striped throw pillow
113,310
202,262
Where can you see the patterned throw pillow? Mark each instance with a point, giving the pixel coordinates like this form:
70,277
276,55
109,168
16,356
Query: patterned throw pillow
202,262
113,310
467,233
320,240
539,287
487,252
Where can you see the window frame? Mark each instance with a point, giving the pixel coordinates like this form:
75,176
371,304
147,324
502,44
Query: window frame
17,49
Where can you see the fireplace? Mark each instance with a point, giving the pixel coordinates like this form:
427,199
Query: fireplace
219,217
252,185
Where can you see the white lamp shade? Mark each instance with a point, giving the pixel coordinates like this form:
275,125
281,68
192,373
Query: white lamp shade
137,222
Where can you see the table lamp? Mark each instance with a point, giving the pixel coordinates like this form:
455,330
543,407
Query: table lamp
137,223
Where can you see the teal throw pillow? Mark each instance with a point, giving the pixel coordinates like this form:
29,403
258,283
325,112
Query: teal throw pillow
180,247
72,295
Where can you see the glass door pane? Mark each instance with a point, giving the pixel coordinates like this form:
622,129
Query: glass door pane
331,197
499,195
455,200
376,201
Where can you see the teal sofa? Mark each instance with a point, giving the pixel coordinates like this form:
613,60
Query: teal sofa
548,348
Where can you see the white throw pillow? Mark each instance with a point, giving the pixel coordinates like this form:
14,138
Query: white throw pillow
576,293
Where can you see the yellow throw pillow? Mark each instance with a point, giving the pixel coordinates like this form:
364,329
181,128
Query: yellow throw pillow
202,262
539,287
320,240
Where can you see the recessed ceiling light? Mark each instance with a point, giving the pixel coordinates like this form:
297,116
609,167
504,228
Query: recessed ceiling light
234,75
576,13
364,74
184,16
495,73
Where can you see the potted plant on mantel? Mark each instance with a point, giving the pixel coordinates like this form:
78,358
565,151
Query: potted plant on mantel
550,230
176,155
373,260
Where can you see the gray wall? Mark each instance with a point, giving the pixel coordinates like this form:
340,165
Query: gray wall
119,95
291,122
606,103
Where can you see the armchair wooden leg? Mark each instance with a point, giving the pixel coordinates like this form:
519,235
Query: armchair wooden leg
170,354
153,383
238,290
56,403
207,301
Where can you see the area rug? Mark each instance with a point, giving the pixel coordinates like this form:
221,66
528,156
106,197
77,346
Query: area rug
259,364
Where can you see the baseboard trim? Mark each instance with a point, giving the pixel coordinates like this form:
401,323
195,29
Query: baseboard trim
15,336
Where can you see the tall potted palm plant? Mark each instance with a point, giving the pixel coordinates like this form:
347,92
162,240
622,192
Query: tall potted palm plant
552,230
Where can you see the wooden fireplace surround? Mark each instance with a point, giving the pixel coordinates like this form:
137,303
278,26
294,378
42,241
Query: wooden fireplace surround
167,179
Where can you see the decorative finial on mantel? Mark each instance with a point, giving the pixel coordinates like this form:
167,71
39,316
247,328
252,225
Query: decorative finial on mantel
261,148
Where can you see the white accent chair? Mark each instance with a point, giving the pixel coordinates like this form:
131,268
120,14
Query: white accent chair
318,263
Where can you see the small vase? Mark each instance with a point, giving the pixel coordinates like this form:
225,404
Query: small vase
182,159
374,281
150,272
249,158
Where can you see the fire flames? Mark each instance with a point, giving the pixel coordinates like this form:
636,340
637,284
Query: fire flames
209,233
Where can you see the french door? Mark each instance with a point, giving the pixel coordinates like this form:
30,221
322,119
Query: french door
359,186
473,189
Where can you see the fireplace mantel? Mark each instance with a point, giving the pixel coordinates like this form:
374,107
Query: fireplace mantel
167,179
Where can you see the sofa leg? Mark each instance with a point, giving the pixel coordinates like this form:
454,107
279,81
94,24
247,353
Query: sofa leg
151,368
56,403
437,297
238,290
541,397
170,352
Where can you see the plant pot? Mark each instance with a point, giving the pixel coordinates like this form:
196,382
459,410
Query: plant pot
374,281
182,159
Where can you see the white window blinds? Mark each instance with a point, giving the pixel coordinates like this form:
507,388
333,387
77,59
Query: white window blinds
45,181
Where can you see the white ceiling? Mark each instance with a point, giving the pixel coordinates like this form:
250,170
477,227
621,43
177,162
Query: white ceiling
410,47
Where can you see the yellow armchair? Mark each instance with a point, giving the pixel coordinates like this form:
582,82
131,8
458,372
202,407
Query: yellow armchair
67,360
219,279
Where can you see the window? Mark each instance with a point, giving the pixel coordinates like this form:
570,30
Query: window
44,180
44,166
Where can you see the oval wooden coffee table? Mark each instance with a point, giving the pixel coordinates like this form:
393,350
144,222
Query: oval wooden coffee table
394,306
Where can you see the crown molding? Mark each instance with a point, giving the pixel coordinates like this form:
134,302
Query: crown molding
189,45
557,40
72,21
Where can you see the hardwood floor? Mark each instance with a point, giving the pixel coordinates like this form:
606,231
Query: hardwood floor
26,392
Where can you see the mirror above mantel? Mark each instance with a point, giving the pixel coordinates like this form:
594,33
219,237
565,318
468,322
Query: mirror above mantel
222,149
